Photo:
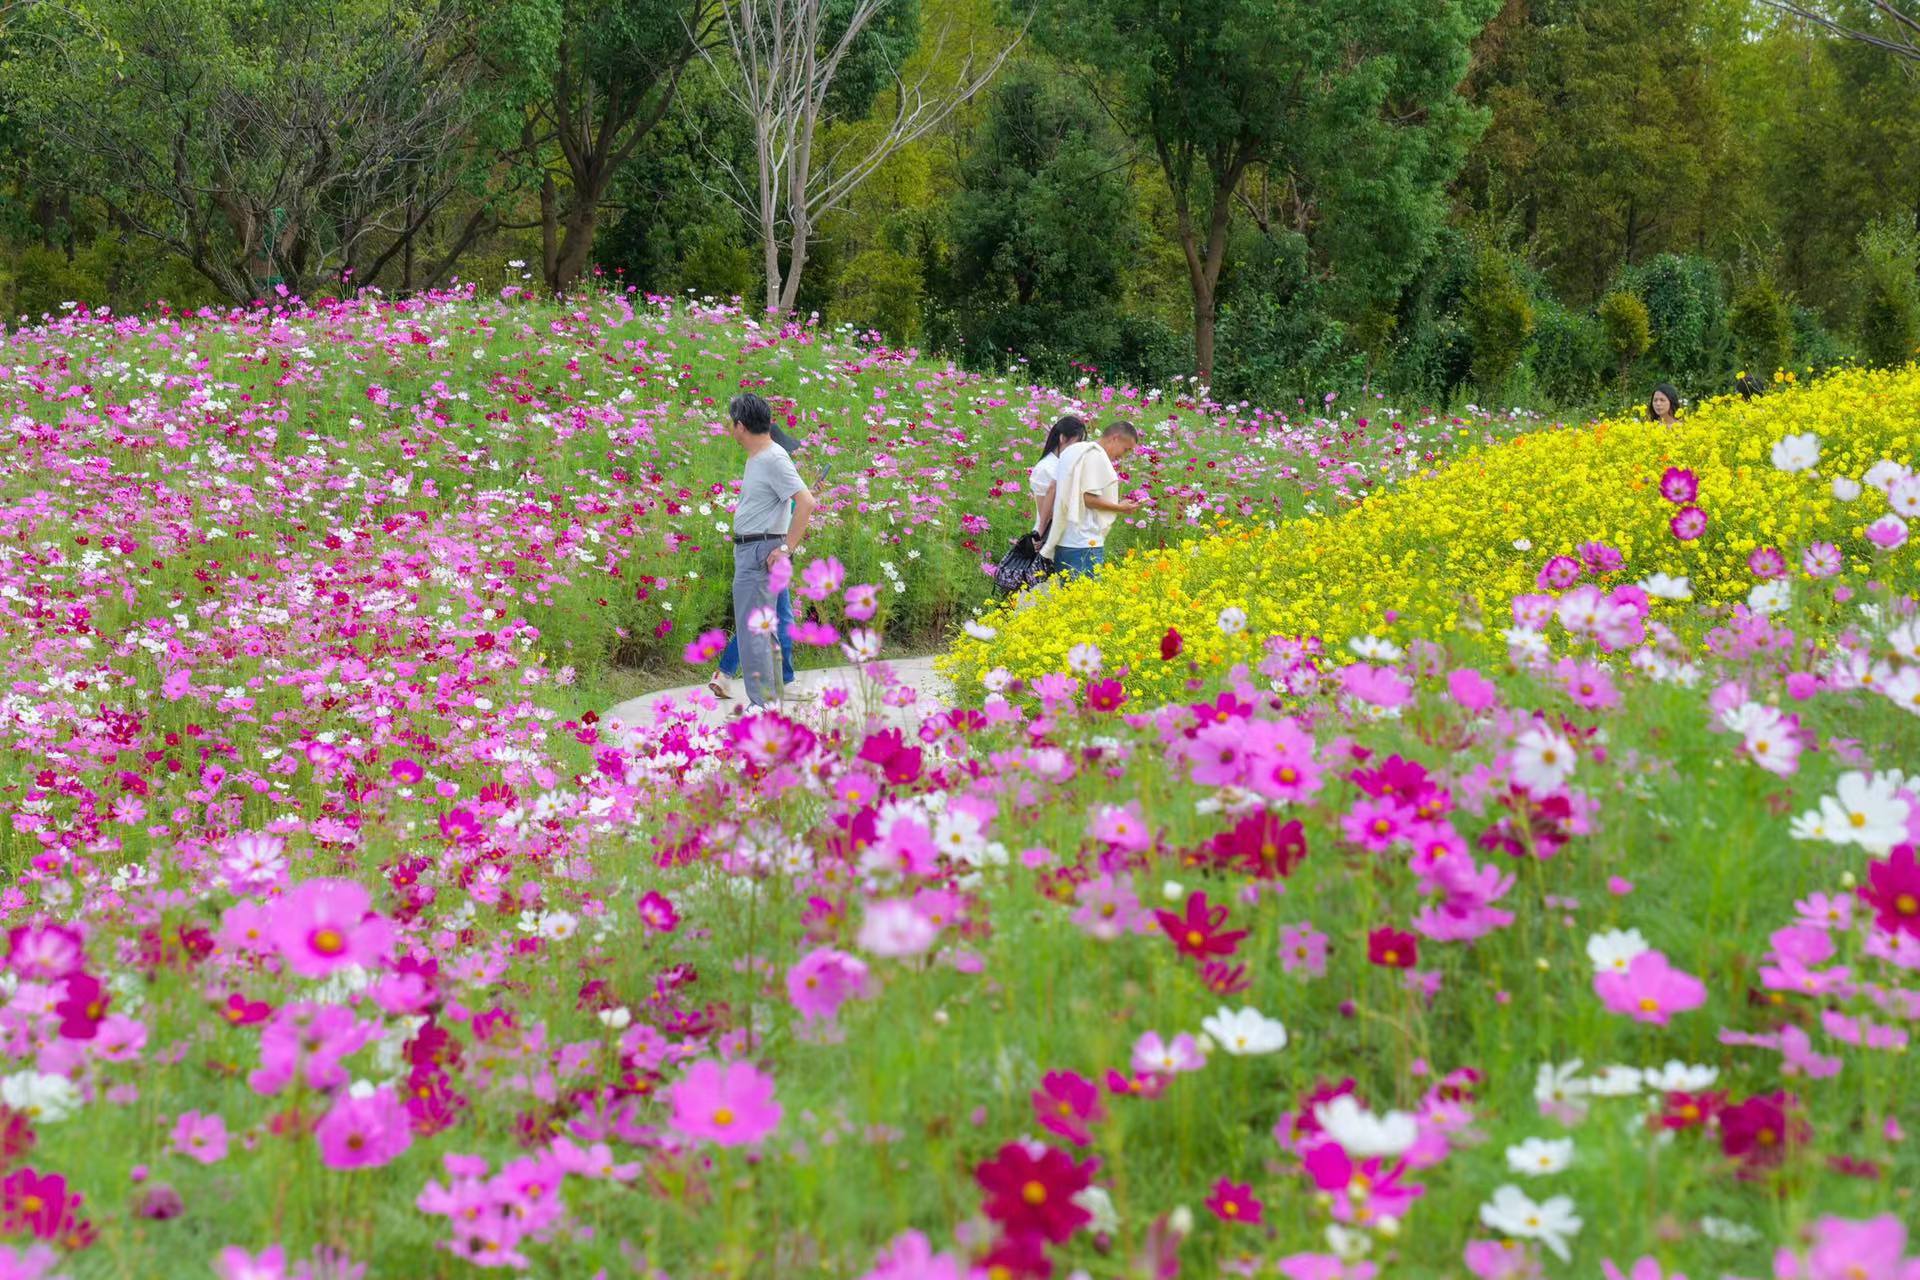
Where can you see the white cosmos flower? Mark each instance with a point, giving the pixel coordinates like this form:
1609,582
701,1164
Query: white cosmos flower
1681,1077
1233,620
1512,1212
1727,1231
1797,453
1084,659
40,1096
1097,1202
1375,649
1883,474
1616,1082
1245,1033
1535,1157
1542,760
1867,811
1905,640
1560,1084
1666,586
1363,1134
1846,488
1613,950
978,629
616,1018
1770,597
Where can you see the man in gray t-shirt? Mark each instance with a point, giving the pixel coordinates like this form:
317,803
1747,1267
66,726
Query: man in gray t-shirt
765,528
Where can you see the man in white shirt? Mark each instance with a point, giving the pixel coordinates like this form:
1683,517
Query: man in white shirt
768,523
1085,500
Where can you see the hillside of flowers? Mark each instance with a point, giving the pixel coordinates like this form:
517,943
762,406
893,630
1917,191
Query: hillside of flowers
345,938
571,462
1754,503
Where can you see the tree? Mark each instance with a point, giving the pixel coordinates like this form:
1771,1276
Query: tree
267,143
1349,106
1889,277
1042,227
1499,318
798,67
612,67
1629,329
1610,139
1761,318
1888,26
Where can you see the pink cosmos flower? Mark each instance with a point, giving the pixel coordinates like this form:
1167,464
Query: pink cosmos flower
821,578
200,1137
1643,1269
1767,563
895,929
1845,1249
1155,1056
1889,533
823,980
728,1104
235,1263
1688,523
1502,1260
657,912
1120,826
364,1132
1651,989
1069,1105
1324,1266
1109,908
1473,691
910,1256
1559,573
1380,686
325,925
1822,560
705,647
1303,947
863,601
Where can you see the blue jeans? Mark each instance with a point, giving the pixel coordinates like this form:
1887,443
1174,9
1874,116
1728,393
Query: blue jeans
1079,562
783,611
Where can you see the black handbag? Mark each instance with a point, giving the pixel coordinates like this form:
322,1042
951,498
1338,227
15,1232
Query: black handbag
1021,567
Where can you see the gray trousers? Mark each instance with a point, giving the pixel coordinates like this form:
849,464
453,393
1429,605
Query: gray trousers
759,658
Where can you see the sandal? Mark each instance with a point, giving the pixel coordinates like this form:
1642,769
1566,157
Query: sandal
718,688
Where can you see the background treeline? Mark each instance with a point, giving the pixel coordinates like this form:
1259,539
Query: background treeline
1541,202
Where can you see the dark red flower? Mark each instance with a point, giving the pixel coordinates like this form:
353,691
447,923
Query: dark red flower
1017,1257
1031,1195
1235,1202
889,752
1689,1110
1197,932
1262,845
1397,779
1759,1130
1893,891
1170,645
1393,949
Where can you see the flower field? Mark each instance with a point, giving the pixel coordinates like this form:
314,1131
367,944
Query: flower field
345,939
1449,552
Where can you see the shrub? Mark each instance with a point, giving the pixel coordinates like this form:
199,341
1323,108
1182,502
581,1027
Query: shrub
1817,348
1570,354
1499,320
1762,325
880,289
1687,315
1889,293
1628,329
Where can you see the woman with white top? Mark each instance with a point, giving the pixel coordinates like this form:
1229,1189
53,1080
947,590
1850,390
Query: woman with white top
1040,480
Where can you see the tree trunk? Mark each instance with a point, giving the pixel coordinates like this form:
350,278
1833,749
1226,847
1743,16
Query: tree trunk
549,230
796,262
576,246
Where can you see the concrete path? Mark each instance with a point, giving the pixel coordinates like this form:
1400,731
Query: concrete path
900,693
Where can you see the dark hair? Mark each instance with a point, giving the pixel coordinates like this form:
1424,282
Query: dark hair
1673,401
751,412
791,443
1749,386
1126,429
1064,433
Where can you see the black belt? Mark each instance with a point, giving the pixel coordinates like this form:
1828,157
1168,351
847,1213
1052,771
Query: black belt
741,539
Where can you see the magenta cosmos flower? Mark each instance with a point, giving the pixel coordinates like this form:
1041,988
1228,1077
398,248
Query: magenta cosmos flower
364,1132
325,925
1688,523
728,1104
1893,891
1650,990
1679,485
